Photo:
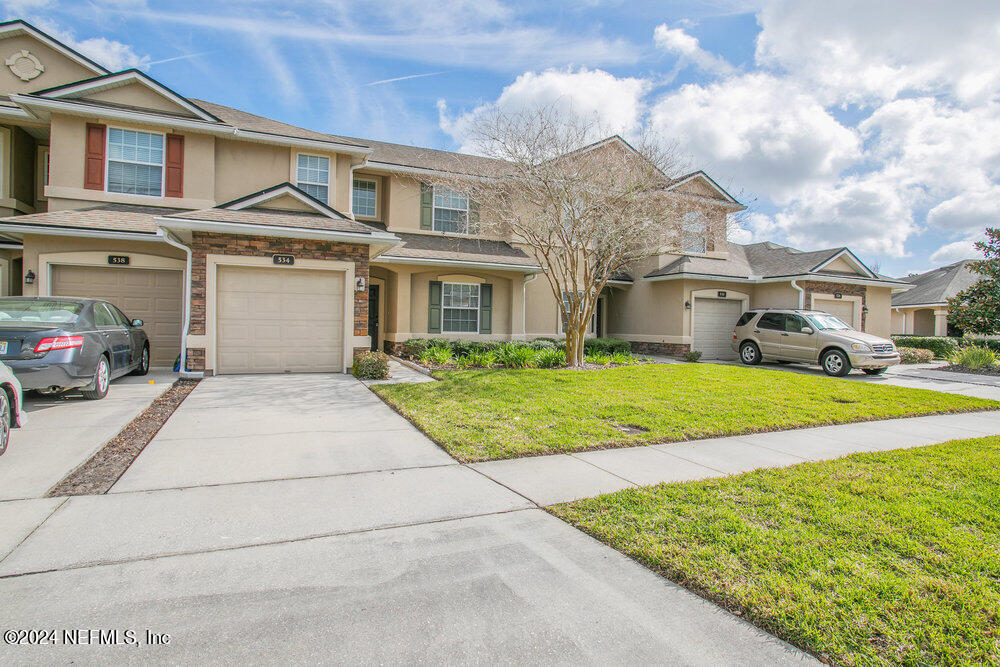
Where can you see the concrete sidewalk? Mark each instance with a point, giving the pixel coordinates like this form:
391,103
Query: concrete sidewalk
547,480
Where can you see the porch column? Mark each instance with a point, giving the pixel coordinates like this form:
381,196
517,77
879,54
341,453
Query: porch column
517,319
403,280
940,322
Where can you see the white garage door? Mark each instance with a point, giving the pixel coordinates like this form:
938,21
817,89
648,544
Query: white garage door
279,320
714,321
152,295
843,310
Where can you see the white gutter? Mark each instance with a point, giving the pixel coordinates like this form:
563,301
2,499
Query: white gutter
272,230
458,263
802,293
422,171
524,299
284,140
75,231
350,188
186,328
847,280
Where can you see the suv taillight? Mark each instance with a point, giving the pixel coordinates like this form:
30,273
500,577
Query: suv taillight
58,343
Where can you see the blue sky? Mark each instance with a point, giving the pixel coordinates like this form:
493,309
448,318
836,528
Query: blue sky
873,125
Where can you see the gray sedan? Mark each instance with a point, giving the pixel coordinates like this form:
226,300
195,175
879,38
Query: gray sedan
55,344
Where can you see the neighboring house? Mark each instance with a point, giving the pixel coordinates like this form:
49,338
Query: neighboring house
923,309
256,246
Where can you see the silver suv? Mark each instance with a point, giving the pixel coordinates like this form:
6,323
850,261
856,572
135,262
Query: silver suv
811,337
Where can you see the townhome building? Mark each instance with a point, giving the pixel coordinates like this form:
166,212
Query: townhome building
249,245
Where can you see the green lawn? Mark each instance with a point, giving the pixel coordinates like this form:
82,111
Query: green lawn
872,559
497,414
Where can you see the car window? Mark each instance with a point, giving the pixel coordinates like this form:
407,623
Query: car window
103,317
772,321
13,311
824,322
745,318
119,316
794,324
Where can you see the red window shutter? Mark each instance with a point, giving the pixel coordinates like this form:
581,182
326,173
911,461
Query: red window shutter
174,185
93,163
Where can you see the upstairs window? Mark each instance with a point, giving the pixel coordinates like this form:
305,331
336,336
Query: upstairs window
451,211
363,198
459,308
694,233
135,162
313,176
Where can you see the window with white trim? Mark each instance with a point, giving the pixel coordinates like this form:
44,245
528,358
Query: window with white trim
694,233
451,211
562,316
313,176
459,308
363,197
135,162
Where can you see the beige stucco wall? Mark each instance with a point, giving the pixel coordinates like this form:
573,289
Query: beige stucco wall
774,295
58,68
878,320
404,203
923,322
840,264
138,95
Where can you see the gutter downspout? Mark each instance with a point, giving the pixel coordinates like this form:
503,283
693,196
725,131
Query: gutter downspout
802,294
186,327
350,187
524,303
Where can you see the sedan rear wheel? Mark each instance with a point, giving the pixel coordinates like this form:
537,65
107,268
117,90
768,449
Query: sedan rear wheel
143,367
102,379
4,421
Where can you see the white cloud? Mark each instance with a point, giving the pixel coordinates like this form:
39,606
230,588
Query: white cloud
968,211
615,102
686,47
954,252
765,132
860,51
112,54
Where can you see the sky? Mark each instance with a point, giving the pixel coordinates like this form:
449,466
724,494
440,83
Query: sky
874,125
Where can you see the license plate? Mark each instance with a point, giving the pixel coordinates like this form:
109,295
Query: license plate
3,347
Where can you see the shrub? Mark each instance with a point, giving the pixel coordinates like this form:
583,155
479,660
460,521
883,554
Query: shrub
550,358
544,344
974,358
414,348
437,354
513,355
941,346
622,359
461,348
481,359
598,358
988,343
692,356
914,355
606,346
464,361
371,366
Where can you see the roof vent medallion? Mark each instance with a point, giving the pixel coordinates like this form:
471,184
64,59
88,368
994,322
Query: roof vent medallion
24,65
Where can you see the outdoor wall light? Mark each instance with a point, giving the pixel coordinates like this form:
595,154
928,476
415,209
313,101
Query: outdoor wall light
29,277
864,309
687,305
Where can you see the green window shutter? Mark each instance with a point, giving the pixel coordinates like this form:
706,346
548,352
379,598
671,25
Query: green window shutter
486,308
434,308
473,217
426,207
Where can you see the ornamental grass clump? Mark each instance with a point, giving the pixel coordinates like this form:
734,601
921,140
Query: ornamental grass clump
974,358
438,355
513,355
598,359
551,358
623,359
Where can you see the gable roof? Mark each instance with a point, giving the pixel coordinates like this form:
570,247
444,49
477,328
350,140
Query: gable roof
439,249
937,285
699,174
120,218
285,189
19,27
124,78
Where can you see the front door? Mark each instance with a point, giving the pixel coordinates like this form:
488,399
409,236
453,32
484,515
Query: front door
373,322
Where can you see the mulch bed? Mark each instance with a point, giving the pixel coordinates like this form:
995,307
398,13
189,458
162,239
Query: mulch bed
962,369
99,473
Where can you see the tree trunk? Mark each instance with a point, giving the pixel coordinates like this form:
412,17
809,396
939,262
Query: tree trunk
572,359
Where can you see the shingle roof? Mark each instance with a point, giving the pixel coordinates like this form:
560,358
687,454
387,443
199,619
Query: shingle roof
254,123
276,218
736,266
106,217
936,286
429,246
771,259
428,158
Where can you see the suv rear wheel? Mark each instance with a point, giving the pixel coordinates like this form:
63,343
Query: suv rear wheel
835,363
750,353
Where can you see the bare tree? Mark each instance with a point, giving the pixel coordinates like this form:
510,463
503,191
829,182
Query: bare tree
586,211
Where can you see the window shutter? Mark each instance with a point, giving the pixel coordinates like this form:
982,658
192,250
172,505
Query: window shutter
174,178
473,217
486,308
93,161
426,205
434,308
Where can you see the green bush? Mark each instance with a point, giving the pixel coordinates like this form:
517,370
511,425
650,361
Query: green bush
513,355
974,358
692,356
941,346
414,348
461,348
371,366
544,344
438,354
482,359
988,343
598,358
550,358
623,359
606,346
914,355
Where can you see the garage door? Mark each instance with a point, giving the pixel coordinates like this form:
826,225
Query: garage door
279,320
714,320
152,295
843,310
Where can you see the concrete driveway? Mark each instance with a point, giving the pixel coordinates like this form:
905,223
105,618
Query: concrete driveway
298,518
